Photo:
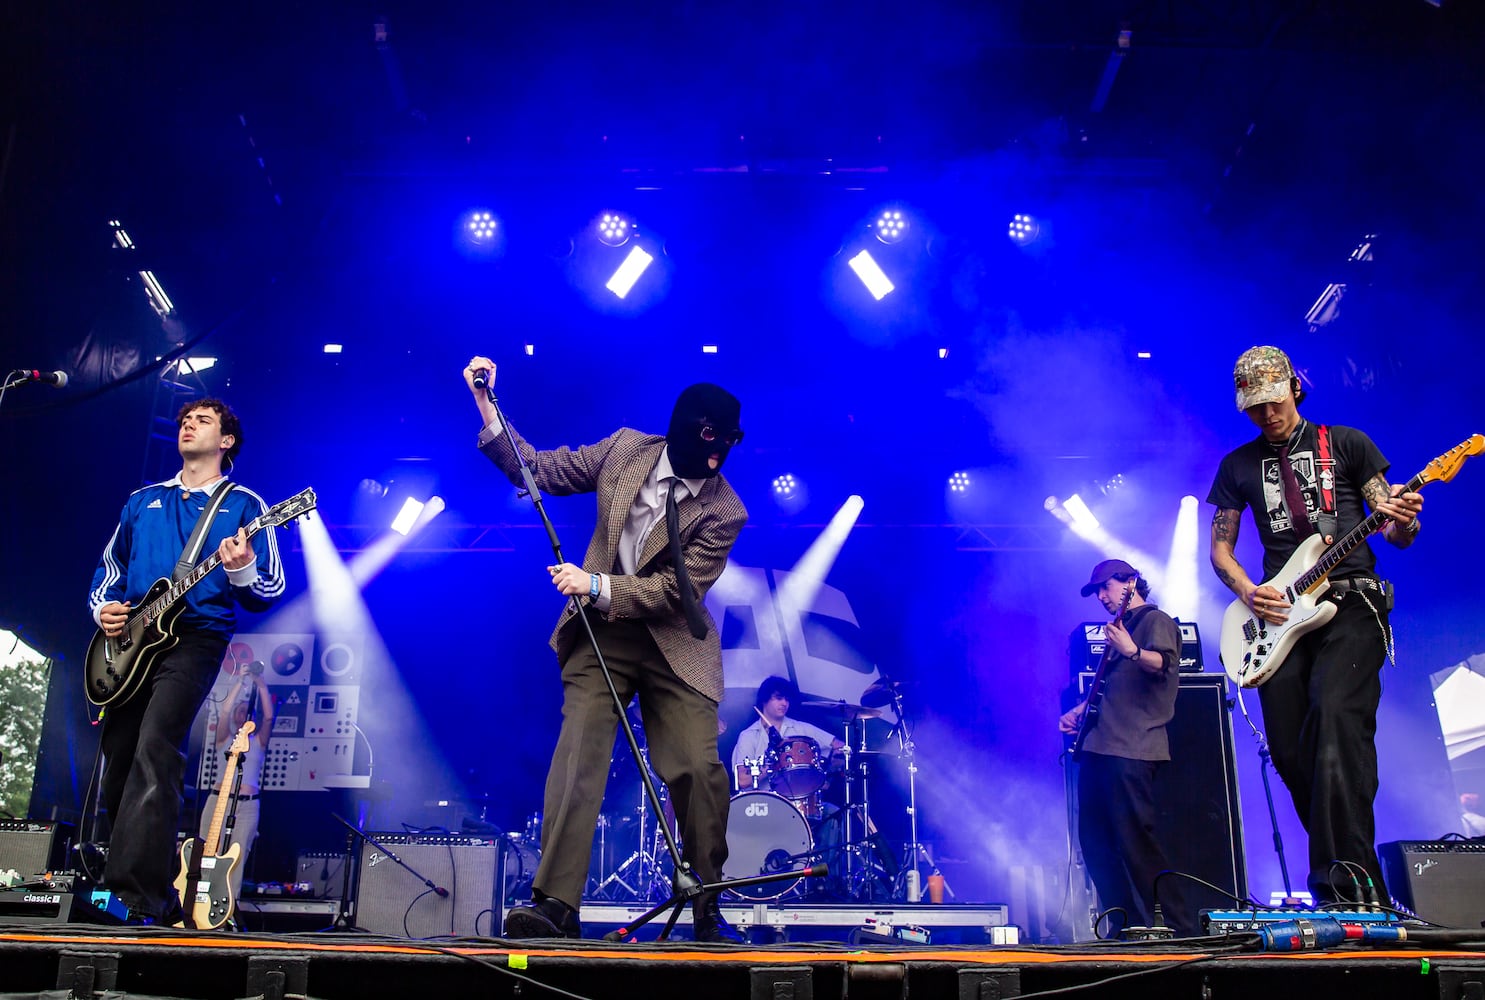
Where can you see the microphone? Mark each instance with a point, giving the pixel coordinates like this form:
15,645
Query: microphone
481,378
57,378
440,892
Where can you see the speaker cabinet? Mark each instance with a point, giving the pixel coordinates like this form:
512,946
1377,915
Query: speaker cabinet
34,846
391,900
1196,792
1441,881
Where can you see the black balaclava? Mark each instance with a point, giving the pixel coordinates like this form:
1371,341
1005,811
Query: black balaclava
698,406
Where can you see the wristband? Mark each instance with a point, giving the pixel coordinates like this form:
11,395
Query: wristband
597,586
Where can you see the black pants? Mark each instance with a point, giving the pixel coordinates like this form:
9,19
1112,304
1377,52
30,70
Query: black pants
1320,711
144,765
1116,830
681,729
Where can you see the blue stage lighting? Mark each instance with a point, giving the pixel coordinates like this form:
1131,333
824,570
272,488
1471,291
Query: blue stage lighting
783,486
481,226
891,227
407,516
959,482
614,230
871,275
1024,229
629,271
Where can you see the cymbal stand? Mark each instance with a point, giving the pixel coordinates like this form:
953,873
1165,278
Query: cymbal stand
914,850
643,865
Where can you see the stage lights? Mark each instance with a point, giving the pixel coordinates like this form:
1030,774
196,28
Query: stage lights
1023,229
634,265
784,486
959,482
891,227
614,230
407,516
871,275
481,226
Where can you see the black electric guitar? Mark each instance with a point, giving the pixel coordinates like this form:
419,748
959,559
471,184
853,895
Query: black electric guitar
205,879
117,666
1252,648
1100,682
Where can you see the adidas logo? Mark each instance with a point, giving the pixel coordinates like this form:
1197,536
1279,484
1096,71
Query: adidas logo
154,504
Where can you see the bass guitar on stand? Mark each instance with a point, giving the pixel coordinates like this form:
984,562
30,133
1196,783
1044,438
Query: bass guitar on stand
1252,648
205,879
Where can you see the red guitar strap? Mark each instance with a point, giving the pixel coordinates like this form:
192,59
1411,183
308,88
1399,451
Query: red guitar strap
1325,480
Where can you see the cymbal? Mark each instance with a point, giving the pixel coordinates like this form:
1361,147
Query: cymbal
851,712
879,693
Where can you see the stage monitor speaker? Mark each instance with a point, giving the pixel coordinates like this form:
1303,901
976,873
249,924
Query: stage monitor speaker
390,900
34,846
1441,881
323,872
1196,792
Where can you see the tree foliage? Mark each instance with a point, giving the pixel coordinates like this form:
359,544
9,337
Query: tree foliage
22,707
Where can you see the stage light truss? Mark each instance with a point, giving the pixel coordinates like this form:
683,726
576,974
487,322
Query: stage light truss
448,537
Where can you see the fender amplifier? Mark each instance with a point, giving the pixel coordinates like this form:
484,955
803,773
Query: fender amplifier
1441,881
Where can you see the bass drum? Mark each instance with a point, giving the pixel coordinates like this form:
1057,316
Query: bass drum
766,833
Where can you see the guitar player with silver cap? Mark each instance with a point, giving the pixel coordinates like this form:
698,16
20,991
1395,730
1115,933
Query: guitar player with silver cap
1320,703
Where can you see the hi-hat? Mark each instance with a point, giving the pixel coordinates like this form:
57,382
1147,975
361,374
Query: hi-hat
851,712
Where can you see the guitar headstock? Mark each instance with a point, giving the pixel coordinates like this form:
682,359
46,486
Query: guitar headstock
296,506
1444,468
1130,587
240,741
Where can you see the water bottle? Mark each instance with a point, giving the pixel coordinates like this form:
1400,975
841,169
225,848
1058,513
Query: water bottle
912,885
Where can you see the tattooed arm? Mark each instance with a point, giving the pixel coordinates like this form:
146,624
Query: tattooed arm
1264,601
1401,509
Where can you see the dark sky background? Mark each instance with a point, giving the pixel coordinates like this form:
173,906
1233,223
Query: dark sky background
292,183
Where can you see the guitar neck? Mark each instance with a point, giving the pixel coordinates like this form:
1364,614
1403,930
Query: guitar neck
213,842
1337,553
198,573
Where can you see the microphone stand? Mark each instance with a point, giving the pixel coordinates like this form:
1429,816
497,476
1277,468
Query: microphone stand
1265,760
685,885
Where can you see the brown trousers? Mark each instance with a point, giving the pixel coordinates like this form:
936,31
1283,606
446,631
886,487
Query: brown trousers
681,729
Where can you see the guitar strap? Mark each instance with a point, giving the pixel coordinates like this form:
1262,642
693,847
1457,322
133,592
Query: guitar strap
1325,480
192,551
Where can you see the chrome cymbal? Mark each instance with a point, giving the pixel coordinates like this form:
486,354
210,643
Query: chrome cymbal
846,709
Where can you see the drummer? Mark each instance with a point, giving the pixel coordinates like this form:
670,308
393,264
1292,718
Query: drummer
774,725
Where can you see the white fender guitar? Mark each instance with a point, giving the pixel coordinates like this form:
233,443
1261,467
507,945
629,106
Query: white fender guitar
1252,649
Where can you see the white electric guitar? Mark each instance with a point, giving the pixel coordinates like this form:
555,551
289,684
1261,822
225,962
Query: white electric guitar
1252,649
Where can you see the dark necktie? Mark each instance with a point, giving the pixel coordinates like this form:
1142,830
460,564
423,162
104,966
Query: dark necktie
694,621
1299,515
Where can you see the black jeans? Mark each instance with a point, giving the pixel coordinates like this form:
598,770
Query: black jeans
1320,710
1116,830
144,765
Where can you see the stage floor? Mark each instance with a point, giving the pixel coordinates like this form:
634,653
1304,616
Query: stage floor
207,966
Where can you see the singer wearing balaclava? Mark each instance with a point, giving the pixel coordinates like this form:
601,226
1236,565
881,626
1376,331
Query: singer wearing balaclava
667,519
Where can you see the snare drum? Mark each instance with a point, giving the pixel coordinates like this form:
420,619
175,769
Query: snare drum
797,767
765,834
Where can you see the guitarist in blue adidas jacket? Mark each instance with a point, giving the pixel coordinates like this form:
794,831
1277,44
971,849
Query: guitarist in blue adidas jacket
1320,705
144,737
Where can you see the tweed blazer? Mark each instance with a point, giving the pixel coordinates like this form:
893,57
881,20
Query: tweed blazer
615,468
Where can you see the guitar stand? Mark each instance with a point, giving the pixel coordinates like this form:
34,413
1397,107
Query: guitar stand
685,886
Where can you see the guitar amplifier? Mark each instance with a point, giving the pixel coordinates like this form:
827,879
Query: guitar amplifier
34,846
1086,645
390,900
1441,881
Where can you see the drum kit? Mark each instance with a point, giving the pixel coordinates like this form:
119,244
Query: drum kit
779,819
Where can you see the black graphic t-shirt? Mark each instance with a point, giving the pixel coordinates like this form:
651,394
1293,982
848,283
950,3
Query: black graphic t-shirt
1249,477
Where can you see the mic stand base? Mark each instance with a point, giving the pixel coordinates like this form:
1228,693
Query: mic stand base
687,888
